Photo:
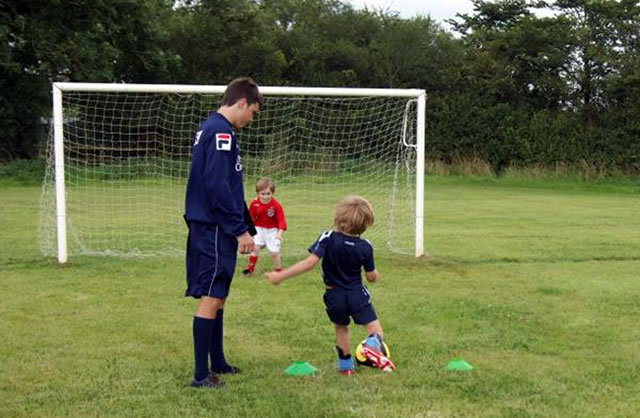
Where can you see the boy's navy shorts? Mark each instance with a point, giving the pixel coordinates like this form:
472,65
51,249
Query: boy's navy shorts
342,304
211,261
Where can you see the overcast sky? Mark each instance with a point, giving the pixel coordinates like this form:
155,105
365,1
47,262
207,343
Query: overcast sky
438,9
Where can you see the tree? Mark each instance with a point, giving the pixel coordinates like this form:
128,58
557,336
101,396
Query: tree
411,52
62,40
324,42
216,40
518,56
563,71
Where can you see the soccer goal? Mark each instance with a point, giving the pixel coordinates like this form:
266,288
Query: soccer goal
118,157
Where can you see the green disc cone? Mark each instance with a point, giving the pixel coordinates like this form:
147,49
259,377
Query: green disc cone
457,364
300,368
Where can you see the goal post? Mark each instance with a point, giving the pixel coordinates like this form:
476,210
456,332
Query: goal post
118,157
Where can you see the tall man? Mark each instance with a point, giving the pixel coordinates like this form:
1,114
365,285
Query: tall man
214,212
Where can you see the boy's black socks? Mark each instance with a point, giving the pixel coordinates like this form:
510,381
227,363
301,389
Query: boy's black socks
342,355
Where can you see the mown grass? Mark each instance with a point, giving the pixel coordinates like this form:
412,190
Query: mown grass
533,282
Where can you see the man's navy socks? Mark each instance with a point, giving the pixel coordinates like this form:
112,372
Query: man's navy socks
218,362
202,328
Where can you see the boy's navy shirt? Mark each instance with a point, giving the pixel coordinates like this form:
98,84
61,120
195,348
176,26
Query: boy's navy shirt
343,257
215,193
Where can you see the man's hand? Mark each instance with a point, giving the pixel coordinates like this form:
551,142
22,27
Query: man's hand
372,276
245,243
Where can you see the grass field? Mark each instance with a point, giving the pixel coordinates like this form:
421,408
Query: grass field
535,283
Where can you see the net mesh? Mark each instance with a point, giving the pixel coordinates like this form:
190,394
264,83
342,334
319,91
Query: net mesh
127,158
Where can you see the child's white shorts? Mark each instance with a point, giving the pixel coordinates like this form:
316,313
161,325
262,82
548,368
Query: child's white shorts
267,237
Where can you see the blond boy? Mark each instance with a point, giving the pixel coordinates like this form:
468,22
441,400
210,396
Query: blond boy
344,255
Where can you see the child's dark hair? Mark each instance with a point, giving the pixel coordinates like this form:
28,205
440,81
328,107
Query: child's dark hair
265,183
354,214
242,88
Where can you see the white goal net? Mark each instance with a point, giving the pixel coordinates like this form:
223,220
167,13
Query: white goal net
118,157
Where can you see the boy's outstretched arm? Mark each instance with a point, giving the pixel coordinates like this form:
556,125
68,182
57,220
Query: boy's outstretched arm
302,266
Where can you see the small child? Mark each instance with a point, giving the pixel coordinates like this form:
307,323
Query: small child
344,254
268,217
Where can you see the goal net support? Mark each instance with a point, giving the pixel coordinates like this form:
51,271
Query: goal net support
118,157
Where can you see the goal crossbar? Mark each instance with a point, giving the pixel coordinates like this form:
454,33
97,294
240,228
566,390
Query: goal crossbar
265,90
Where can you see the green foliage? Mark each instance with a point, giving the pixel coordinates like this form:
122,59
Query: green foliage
22,172
513,89
218,40
546,90
64,40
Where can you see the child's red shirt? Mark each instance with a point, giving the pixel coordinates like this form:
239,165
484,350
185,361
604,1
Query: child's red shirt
270,215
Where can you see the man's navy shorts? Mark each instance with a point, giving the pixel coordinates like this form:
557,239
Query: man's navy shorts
342,304
211,261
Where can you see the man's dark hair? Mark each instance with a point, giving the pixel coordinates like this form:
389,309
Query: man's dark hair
242,88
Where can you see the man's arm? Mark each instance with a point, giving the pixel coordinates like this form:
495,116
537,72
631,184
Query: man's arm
217,180
249,221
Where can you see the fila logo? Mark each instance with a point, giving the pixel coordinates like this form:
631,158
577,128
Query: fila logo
223,142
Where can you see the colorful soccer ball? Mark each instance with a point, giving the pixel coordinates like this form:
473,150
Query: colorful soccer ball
363,361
